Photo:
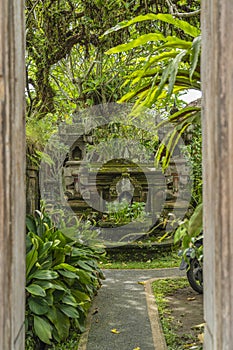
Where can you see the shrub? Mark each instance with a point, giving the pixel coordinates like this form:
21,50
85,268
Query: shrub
62,276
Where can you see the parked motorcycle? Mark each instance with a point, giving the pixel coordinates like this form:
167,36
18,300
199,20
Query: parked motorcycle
193,264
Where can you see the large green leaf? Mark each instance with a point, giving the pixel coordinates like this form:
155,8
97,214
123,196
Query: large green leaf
68,274
180,24
195,222
170,74
38,306
181,231
85,277
60,321
44,275
183,25
35,289
65,266
43,329
78,252
43,252
60,255
158,58
195,55
69,299
80,296
49,298
141,40
31,259
173,42
31,224
49,285
84,266
69,311
170,41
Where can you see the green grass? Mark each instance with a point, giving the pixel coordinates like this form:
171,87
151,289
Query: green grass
165,261
161,289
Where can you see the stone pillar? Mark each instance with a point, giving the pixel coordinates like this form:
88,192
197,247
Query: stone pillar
12,174
217,86
32,189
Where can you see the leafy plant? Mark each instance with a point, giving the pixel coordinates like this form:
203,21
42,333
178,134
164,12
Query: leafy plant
188,232
170,65
62,276
174,63
123,212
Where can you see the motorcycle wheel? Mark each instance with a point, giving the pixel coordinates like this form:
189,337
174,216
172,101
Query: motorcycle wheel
195,276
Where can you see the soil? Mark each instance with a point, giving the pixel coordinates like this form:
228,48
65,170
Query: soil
187,321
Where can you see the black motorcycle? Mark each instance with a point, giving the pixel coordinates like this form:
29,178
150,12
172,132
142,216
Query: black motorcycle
194,265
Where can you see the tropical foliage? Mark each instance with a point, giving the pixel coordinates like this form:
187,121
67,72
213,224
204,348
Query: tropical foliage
66,67
169,65
153,56
189,231
62,276
123,212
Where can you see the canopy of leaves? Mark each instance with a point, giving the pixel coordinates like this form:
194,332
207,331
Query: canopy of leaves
66,69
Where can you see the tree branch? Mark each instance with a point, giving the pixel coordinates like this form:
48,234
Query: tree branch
187,14
174,11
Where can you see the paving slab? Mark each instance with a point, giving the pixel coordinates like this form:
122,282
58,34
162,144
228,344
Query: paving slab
125,304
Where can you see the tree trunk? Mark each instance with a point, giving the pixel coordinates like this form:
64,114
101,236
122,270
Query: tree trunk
12,163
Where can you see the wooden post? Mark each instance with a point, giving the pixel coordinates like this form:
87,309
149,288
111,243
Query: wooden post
12,192
217,86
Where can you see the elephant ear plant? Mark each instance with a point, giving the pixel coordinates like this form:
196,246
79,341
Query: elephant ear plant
62,276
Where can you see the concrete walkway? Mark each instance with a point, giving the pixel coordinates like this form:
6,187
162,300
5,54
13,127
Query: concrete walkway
125,304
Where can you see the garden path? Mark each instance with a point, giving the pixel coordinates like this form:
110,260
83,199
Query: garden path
124,314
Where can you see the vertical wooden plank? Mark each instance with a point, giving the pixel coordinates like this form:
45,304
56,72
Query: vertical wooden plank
208,172
217,85
12,164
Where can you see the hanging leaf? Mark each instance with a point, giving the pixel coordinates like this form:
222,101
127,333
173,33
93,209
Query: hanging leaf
195,55
30,223
141,40
195,222
43,329
31,259
174,70
61,322
180,24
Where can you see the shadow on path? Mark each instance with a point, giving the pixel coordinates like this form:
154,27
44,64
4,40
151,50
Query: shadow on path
123,303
